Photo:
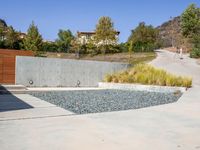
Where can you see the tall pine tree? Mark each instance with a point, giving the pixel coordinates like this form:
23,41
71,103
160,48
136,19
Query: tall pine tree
64,40
33,40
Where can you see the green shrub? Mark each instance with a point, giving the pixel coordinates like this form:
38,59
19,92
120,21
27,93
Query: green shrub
123,47
147,74
195,53
144,38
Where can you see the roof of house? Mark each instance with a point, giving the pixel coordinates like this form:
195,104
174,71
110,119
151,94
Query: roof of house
80,33
90,33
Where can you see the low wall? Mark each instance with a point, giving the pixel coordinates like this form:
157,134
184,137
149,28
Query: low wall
139,87
51,72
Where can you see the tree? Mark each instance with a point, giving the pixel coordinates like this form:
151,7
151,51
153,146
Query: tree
190,21
3,27
91,47
130,50
1,38
190,26
80,46
3,23
11,38
76,47
49,47
64,40
143,38
33,40
123,47
105,33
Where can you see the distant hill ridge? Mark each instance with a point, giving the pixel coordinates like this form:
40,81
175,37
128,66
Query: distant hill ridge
2,23
170,34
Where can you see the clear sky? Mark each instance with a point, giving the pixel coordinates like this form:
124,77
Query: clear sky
83,15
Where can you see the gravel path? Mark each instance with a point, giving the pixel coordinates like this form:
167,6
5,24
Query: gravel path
82,102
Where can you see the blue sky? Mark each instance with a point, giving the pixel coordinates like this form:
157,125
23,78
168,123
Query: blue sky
83,15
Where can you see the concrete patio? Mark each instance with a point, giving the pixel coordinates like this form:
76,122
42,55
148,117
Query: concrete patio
29,123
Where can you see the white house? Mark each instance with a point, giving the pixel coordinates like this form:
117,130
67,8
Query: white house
84,37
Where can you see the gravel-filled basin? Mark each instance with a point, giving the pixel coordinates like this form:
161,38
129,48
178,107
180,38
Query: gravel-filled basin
94,101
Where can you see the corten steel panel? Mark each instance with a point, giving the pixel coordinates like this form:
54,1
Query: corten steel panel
8,77
15,52
7,64
9,69
1,69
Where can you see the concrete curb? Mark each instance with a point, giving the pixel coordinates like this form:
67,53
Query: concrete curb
139,87
12,87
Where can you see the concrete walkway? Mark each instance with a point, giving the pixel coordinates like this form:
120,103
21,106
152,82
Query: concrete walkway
165,127
24,106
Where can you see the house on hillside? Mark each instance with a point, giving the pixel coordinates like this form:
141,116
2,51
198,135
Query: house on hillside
84,37
22,35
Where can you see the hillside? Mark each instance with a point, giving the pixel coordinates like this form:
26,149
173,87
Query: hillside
117,57
170,34
2,23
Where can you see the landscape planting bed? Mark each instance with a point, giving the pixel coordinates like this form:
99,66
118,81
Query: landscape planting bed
95,101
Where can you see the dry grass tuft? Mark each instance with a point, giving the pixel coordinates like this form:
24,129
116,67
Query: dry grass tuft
148,75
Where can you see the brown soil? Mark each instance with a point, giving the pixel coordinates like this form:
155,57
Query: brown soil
118,57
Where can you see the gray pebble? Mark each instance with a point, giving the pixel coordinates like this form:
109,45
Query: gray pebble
95,101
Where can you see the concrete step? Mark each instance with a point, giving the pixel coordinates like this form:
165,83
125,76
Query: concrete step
13,92
12,89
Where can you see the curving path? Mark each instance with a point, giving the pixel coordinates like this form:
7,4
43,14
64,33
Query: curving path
172,62
165,127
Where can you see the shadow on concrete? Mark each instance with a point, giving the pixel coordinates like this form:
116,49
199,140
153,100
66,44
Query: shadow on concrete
9,102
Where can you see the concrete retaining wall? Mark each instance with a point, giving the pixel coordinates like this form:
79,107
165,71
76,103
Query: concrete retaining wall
51,72
139,87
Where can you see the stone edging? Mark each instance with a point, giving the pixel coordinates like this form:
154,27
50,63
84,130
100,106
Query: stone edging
139,87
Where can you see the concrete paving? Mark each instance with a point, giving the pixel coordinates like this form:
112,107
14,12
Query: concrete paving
165,127
61,88
24,106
